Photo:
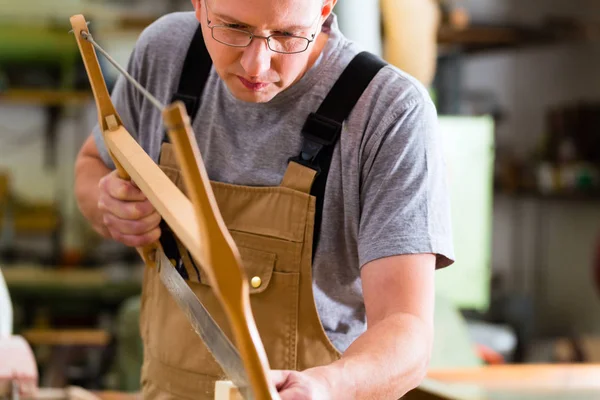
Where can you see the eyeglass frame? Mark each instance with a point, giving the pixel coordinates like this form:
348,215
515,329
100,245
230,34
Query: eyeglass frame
252,35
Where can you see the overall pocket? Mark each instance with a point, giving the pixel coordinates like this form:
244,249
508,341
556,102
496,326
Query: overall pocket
274,302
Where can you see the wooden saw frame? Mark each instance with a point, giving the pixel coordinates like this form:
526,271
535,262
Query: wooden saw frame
196,221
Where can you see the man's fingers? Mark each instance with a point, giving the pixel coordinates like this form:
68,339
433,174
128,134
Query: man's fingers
137,240
129,216
121,189
279,377
131,210
132,227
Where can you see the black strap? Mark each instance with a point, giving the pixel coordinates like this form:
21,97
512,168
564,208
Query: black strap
194,75
322,129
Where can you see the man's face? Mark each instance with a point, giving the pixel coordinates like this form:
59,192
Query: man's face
256,73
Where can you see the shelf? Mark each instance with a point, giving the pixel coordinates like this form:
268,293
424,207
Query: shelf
593,196
480,38
45,97
486,37
66,337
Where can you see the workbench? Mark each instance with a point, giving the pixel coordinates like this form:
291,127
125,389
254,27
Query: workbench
68,291
516,382
505,382
65,310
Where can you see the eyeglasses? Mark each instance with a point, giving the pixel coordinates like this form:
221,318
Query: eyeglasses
279,43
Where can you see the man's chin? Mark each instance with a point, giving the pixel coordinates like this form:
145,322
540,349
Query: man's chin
242,93
253,97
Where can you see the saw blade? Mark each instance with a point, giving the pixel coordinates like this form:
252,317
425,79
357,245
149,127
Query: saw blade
224,352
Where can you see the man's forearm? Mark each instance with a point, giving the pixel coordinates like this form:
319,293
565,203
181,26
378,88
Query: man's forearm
386,362
88,172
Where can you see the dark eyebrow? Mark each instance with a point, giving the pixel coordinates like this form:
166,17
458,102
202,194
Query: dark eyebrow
229,19
232,20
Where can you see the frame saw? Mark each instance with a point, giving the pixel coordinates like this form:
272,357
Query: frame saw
196,221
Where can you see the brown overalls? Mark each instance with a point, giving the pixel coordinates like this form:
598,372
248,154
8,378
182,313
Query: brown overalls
273,229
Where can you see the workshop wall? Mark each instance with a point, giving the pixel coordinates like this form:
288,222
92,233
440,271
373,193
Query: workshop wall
21,140
542,249
360,21
23,145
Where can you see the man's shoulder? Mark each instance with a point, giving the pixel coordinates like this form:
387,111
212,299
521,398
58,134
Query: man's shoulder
392,92
170,33
389,85
400,88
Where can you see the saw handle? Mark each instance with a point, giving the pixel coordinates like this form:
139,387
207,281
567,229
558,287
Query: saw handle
108,119
222,261
148,252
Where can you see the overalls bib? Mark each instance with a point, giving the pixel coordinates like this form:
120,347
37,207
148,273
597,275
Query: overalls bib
274,228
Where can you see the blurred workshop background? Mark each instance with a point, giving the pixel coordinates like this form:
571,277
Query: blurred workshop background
517,86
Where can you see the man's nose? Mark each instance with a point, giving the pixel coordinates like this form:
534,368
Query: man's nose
256,58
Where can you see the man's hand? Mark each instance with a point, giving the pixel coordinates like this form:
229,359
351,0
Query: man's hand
17,367
294,385
126,212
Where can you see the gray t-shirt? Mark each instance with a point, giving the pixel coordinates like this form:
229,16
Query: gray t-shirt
386,192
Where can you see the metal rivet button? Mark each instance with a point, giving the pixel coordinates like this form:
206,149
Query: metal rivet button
256,282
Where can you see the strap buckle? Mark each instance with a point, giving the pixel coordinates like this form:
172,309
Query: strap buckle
318,132
321,129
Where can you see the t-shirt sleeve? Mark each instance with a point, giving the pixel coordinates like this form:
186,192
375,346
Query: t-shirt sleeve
405,203
127,101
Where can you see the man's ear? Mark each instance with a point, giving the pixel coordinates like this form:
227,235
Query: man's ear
197,4
327,8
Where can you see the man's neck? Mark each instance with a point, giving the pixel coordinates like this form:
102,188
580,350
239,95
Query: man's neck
317,49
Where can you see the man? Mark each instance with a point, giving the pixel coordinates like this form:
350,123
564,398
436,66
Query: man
384,227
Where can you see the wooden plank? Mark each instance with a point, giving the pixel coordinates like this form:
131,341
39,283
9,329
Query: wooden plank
78,393
433,390
553,377
45,97
119,396
67,337
40,278
225,390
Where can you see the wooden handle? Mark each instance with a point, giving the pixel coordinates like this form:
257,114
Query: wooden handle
79,393
222,261
226,390
88,53
108,119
